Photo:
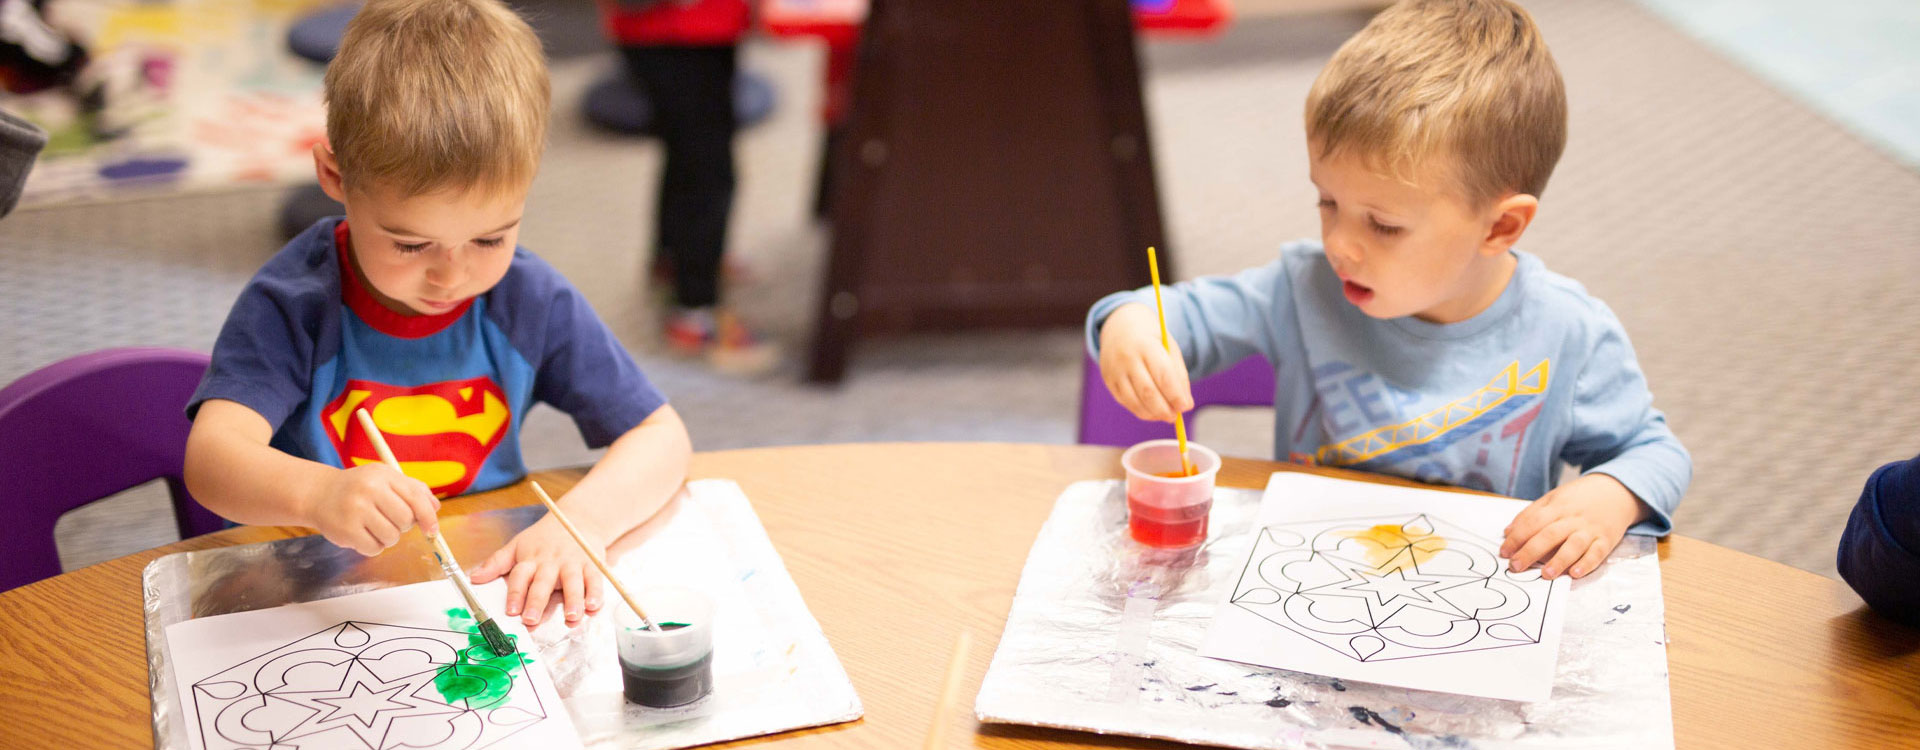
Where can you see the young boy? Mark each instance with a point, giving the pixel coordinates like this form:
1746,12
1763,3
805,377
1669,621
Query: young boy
1413,339
684,53
420,308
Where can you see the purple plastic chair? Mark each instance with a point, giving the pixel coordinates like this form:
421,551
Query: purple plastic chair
87,427
1103,421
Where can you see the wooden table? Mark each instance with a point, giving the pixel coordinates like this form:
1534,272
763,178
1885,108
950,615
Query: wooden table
898,546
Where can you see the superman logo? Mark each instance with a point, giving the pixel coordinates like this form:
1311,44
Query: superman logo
440,432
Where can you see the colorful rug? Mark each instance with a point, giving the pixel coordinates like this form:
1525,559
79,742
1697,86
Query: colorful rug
201,95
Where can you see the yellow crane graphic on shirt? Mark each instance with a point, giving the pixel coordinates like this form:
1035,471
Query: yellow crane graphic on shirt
1431,425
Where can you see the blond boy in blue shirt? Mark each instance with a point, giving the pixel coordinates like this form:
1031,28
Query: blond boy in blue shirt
1413,339
420,308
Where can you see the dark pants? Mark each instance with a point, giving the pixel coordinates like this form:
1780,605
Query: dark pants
691,89
34,55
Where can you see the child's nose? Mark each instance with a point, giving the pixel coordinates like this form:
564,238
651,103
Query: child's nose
445,275
1341,247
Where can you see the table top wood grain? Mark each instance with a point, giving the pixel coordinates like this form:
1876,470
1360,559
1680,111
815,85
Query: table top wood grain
897,547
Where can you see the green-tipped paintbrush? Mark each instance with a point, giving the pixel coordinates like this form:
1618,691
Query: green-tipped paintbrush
497,640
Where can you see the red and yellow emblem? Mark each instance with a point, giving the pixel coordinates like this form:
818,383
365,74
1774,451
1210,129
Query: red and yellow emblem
440,432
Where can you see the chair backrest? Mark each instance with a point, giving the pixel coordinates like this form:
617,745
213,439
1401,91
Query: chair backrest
1103,421
84,428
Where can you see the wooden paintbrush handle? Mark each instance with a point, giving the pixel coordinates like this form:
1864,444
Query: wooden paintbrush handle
448,565
587,547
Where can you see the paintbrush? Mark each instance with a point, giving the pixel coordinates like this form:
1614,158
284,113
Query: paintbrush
497,640
598,560
1166,342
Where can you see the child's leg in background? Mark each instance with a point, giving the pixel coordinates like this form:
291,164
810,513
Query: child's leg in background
691,89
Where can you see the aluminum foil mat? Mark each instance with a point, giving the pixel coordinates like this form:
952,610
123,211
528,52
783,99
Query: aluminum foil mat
773,668
1103,636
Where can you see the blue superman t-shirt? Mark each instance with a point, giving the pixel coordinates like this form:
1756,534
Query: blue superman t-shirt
306,344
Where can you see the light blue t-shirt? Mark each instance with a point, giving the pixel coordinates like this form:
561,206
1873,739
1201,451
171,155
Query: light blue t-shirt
1496,402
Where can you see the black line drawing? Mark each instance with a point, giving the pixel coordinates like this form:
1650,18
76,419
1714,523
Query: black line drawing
1391,587
366,686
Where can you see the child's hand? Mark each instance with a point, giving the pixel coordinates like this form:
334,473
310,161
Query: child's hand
367,508
539,560
1139,372
1583,519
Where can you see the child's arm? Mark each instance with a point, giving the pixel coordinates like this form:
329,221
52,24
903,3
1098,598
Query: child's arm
231,469
640,472
1633,468
1215,322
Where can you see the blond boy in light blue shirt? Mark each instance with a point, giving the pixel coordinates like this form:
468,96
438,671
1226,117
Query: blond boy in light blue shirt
1413,339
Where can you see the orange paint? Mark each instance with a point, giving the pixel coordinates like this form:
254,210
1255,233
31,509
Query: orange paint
1394,541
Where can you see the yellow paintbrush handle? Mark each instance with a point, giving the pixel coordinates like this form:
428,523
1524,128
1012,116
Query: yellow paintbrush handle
1166,342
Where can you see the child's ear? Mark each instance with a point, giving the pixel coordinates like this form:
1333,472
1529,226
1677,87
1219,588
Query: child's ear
1511,217
327,169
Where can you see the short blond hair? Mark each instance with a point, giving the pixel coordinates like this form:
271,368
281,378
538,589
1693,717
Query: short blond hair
426,95
1469,79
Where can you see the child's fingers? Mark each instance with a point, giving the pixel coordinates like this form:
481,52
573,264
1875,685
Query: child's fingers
424,507
1122,393
596,591
1152,405
383,531
1182,382
496,565
538,593
1591,561
1575,545
1537,546
573,593
517,580
1172,384
359,541
395,509
1525,524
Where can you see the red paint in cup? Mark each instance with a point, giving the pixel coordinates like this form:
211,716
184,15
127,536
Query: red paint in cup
1165,508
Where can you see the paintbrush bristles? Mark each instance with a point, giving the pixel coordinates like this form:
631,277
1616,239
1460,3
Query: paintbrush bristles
497,640
598,561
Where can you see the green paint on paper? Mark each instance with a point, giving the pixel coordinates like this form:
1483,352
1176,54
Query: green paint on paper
478,676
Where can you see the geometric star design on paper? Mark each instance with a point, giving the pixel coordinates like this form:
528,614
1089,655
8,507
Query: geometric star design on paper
1395,585
1391,587
368,710
366,686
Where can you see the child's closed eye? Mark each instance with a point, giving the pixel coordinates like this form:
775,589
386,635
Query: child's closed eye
490,241
411,247
1383,229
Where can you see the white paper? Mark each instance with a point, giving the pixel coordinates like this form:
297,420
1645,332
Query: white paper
1425,603
370,671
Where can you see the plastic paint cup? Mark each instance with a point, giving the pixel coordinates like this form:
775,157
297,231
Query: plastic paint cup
673,665
1164,509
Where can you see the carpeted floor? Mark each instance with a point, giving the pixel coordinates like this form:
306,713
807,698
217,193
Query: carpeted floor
1763,259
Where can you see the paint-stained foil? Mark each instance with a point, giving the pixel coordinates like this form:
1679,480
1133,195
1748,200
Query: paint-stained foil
773,668
1104,632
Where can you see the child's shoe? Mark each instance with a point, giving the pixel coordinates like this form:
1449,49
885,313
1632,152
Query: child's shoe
689,329
738,350
728,344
